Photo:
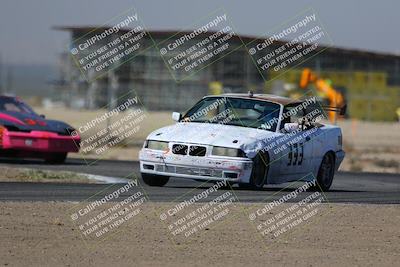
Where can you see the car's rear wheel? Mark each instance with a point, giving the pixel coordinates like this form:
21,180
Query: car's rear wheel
56,158
259,172
154,180
326,172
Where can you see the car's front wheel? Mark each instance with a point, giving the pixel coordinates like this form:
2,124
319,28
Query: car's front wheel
259,172
154,180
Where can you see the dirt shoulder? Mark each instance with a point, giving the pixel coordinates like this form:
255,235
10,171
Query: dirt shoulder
42,234
32,175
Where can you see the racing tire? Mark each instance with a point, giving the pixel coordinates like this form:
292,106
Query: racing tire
56,158
259,172
154,180
326,172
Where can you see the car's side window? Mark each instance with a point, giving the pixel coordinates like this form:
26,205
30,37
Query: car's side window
285,119
296,115
292,114
302,116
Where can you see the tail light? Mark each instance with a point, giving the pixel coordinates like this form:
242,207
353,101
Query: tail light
30,122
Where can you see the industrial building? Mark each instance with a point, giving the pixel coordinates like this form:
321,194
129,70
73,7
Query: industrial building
370,81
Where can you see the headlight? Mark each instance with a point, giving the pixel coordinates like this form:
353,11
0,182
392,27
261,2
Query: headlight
156,145
227,152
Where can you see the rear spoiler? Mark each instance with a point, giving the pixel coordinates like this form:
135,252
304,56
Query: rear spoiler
341,110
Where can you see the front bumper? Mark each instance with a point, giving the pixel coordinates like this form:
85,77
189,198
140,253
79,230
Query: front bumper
40,141
191,167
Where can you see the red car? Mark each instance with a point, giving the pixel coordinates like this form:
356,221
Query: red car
26,134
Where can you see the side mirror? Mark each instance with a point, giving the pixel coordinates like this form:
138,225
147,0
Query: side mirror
42,116
176,116
291,127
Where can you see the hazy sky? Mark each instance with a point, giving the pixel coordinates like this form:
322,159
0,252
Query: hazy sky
26,35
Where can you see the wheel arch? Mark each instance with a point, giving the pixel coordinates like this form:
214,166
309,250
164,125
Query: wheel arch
266,157
258,160
332,153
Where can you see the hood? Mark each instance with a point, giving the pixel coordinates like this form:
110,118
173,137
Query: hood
18,121
249,140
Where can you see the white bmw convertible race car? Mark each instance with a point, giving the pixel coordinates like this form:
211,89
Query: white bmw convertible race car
247,139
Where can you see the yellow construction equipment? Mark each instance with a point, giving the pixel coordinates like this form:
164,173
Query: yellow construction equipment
336,99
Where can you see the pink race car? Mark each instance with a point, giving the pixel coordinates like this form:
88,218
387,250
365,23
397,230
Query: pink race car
25,134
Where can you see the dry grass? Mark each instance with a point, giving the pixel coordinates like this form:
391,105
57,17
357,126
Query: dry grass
31,175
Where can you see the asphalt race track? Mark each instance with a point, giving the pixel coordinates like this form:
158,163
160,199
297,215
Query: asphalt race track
347,187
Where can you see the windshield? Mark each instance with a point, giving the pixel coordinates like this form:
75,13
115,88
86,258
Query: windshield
235,111
13,105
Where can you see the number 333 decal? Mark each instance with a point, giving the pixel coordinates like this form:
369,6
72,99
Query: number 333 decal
296,154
